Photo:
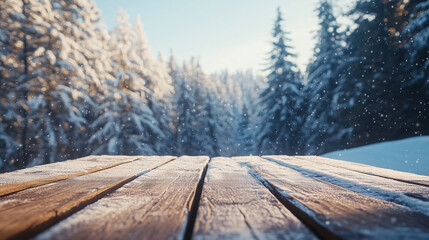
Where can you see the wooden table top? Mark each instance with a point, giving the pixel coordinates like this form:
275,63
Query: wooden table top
167,197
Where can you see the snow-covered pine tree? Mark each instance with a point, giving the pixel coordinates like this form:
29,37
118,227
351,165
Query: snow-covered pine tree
76,20
197,122
99,53
156,71
9,72
244,133
418,31
102,63
219,114
126,125
416,85
37,74
164,98
176,75
12,83
210,127
207,115
223,97
186,115
121,46
58,106
249,85
230,116
10,23
80,23
280,117
159,85
203,131
8,145
320,128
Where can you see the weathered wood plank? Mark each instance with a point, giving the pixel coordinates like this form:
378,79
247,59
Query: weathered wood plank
234,205
328,208
371,170
60,171
153,206
61,168
413,196
28,212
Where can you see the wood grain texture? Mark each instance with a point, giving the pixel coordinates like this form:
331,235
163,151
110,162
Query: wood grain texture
14,187
371,170
344,213
28,212
153,206
413,196
236,206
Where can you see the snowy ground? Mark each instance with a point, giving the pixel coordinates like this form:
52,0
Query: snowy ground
408,155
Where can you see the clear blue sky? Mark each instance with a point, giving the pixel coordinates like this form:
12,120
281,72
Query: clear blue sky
233,34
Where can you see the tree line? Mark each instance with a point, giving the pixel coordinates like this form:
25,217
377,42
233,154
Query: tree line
368,83
70,88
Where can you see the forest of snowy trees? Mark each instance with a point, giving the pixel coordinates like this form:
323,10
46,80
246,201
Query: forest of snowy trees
70,88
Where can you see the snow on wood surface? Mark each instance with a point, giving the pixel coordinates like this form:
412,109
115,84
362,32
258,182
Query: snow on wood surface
234,204
377,171
19,186
274,197
155,205
342,212
61,168
26,212
411,195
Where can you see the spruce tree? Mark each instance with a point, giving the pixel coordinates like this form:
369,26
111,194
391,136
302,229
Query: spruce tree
320,128
279,131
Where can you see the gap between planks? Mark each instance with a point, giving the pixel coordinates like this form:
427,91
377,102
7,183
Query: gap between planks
11,188
194,205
